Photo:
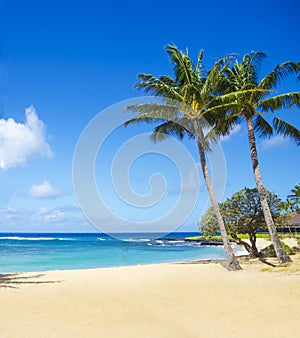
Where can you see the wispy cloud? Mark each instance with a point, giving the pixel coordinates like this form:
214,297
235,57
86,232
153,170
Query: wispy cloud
273,142
62,218
21,141
190,185
44,190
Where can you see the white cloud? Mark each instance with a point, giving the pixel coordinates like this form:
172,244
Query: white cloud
191,185
44,190
54,216
65,219
21,141
236,129
276,141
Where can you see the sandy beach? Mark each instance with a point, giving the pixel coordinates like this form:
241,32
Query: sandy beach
164,300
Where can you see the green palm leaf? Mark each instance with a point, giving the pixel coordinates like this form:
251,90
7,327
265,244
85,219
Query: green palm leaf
164,86
170,128
278,74
284,128
252,64
274,103
262,127
156,111
183,65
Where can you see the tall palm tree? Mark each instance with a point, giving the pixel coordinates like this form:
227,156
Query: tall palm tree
194,88
252,105
294,199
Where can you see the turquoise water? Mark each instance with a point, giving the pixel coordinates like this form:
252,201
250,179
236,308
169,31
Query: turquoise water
41,252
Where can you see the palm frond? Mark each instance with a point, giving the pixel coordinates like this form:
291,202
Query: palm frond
279,73
224,126
156,111
183,65
143,119
199,63
241,95
168,81
253,63
274,103
262,127
295,191
256,57
224,110
285,129
211,137
230,80
163,86
215,82
243,75
170,128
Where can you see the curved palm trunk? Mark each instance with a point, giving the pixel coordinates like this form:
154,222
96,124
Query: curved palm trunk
280,253
232,262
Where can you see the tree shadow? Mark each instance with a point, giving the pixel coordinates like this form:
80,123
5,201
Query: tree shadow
14,280
264,261
260,258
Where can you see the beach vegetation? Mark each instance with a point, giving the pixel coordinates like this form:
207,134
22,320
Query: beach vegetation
243,217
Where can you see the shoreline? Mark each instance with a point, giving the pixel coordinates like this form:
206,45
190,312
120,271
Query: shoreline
261,244
198,261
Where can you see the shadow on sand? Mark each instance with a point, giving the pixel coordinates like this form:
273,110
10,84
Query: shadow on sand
224,263
15,280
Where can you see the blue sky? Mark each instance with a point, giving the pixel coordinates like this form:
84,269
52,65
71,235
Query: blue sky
64,62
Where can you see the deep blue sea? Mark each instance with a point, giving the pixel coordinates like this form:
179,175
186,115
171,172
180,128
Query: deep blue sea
21,252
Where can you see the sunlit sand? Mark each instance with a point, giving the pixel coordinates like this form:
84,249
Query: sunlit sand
163,300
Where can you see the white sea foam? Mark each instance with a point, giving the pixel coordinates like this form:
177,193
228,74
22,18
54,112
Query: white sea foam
17,238
175,242
137,240
241,253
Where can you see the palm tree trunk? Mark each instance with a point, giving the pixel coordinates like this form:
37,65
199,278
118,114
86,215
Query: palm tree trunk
232,262
280,253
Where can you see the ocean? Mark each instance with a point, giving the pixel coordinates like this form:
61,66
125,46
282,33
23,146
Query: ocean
20,252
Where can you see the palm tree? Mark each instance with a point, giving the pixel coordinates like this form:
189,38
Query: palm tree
294,199
252,105
193,88
295,191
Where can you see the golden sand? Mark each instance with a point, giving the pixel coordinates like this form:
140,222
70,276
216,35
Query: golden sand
164,300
